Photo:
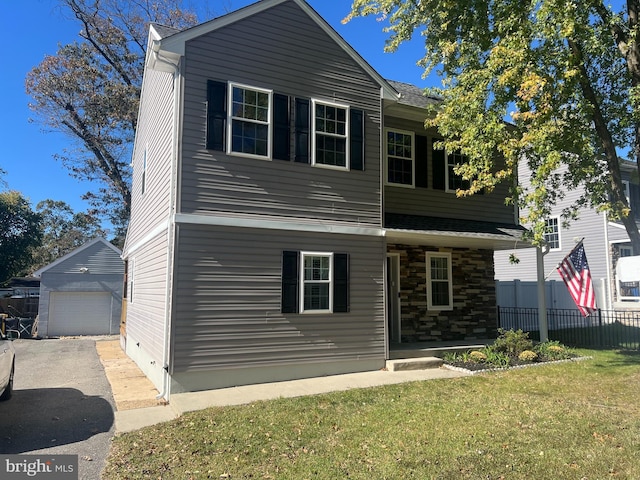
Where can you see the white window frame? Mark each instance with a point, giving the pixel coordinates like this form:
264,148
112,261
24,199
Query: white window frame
627,191
329,282
446,171
557,231
231,118
413,157
430,281
314,133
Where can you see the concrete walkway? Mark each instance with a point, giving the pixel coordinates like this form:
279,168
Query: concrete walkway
138,407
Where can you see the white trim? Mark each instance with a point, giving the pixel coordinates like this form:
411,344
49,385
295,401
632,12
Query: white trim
627,191
90,243
329,282
193,219
446,170
346,136
231,118
430,305
148,237
558,231
386,157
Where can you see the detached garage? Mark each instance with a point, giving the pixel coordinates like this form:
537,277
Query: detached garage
81,293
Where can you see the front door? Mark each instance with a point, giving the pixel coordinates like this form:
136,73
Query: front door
393,297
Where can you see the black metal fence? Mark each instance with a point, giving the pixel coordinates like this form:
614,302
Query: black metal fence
602,329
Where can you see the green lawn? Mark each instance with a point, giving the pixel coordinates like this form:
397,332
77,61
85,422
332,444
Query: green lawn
577,420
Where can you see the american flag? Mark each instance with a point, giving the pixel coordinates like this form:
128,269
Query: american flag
574,270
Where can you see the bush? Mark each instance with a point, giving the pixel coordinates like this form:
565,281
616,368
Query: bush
528,356
512,342
553,350
477,356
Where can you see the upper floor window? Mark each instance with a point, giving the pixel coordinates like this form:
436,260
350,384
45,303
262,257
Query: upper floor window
552,233
249,119
259,123
455,181
330,135
439,281
400,157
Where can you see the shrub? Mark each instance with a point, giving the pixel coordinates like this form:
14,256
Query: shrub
477,356
553,350
528,356
496,358
512,342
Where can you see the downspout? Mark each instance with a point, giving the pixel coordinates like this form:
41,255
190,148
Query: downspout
607,255
171,224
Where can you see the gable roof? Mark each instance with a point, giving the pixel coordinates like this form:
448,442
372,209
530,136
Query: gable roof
173,45
89,244
413,96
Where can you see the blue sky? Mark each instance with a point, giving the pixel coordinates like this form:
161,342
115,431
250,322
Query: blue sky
37,27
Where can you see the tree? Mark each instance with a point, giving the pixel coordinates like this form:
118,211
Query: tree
566,73
63,231
20,234
90,89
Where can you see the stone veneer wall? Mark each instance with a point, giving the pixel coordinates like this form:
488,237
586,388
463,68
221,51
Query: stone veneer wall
474,296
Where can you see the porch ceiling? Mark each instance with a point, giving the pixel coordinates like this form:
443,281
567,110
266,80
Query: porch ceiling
447,232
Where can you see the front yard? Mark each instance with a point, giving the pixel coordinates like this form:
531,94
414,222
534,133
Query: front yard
576,420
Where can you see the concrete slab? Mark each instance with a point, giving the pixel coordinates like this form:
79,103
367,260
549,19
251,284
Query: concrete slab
138,407
418,363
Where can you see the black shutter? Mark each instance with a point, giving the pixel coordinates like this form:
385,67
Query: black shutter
281,127
356,139
216,114
421,162
439,167
340,282
303,120
290,282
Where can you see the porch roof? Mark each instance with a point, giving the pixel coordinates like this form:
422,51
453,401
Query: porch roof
449,232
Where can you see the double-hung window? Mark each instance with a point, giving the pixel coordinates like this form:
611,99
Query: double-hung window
330,134
439,281
250,121
400,157
552,233
455,181
316,280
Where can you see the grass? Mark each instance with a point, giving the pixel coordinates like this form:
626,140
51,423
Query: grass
577,420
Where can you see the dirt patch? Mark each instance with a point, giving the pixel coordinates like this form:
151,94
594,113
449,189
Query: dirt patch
131,388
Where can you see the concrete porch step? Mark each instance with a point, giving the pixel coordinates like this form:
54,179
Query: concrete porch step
418,363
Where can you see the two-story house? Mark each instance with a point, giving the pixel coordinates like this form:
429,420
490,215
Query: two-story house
605,241
290,216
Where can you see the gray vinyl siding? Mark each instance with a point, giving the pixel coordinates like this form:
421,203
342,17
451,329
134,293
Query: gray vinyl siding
282,50
146,307
154,132
98,258
439,203
227,301
590,226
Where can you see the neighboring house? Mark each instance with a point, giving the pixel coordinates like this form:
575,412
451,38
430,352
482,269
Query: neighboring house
290,216
605,241
81,292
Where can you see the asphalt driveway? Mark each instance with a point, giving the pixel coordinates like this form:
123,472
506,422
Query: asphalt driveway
62,403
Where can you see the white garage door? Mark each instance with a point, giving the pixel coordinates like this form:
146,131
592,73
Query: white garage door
79,313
